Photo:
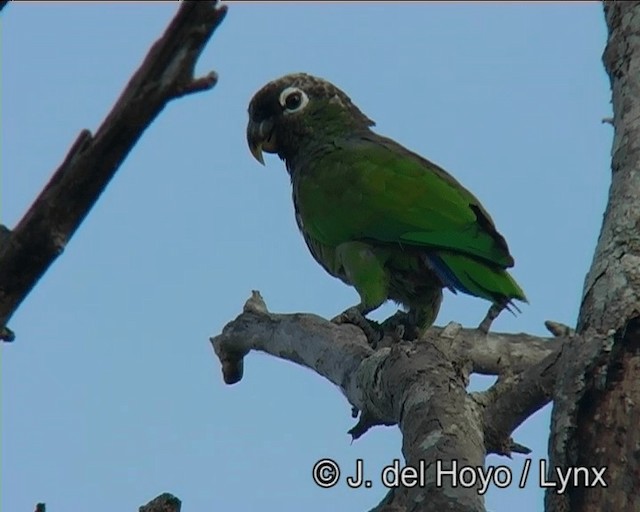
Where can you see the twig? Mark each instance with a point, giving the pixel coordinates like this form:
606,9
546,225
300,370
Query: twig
365,422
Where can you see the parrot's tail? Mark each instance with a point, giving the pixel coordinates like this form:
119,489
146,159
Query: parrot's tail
475,277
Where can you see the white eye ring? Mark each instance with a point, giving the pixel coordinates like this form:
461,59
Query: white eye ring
289,100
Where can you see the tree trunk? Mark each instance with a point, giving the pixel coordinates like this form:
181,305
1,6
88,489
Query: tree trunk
597,405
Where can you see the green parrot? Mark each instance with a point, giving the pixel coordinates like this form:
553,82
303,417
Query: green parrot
374,214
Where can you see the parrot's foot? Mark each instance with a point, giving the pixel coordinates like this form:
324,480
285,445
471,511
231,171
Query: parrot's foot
491,315
404,323
354,316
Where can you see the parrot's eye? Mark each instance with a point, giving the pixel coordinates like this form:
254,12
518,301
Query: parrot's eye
293,99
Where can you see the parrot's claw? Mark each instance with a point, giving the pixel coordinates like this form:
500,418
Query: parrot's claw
401,322
354,316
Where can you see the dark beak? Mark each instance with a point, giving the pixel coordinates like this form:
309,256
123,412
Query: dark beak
261,137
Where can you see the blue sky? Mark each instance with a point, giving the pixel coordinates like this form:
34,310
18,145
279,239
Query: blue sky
111,393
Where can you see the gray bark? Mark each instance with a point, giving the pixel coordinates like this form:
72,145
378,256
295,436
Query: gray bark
597,397
397,384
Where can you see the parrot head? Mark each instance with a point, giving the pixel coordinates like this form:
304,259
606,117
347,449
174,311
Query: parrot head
295,110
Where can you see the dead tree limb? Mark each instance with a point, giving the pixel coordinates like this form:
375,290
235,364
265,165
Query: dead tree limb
166,73
419,386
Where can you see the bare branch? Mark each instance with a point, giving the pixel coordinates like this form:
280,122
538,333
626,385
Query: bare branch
421,386
502,353
166,73
280,334
333,351
513,398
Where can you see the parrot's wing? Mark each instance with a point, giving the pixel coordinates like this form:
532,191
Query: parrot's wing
412,201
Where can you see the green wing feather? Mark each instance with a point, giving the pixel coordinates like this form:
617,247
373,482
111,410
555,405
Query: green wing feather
370,187
426,205
482,280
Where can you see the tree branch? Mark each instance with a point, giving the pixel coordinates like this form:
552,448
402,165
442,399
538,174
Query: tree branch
439,421
279,335
500,353
333,351
513,398
420,386
44,231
